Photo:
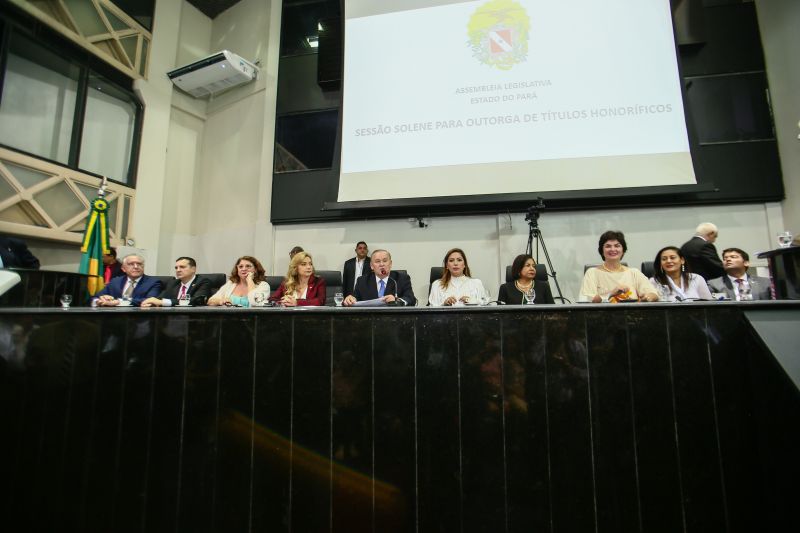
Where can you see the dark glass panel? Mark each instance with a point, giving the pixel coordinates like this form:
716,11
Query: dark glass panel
438,424
571,469
613,441
696,426
305,141
311,425
525,400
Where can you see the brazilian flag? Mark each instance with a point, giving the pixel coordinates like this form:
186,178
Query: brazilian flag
95,244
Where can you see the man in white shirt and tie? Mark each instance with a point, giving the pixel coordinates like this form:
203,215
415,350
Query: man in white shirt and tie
186,287
354,268
393,288
736,284
134,287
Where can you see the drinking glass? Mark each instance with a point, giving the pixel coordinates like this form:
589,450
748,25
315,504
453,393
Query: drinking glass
66,299
125,301
663,293
338,298
530,296
184,300
785,239
258,298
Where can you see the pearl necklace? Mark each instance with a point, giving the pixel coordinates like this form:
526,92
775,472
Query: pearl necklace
620,269
523,288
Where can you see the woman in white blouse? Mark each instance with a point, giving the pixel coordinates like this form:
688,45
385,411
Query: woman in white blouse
456,286
672,275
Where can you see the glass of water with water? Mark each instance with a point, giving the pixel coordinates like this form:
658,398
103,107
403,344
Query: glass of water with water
785,239
338,298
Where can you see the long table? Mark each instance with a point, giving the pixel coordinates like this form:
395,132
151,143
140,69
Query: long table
640,417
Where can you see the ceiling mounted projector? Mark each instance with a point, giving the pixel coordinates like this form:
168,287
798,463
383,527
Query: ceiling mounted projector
213,74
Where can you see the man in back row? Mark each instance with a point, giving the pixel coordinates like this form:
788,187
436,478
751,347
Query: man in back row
354,268
701,254
736,282
394,288
133,286
185,285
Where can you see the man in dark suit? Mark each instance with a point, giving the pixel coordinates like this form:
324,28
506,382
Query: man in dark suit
185,286
394,288
354,268
14,253
701,254
112,268
737,284
134,285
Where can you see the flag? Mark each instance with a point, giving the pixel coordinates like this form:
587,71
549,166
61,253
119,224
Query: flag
95,244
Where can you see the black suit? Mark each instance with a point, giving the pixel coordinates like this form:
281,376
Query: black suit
349,274
398,284
702,258
511,295
199,291
15,254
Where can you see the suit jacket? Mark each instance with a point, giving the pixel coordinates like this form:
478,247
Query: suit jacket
398,284
702,258
199,291
15,254
116,270
760,287
511,295
315,295
146,287
349,274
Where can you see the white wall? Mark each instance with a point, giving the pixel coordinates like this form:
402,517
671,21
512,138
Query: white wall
779,21
491,242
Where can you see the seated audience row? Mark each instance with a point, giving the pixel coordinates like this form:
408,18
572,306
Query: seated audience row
611,281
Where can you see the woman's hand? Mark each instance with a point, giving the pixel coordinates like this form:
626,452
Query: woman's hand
288,301
249,280
650,297
450,300
214,300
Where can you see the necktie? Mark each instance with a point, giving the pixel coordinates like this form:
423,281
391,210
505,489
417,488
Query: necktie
182,293
381,288
129,290
740,283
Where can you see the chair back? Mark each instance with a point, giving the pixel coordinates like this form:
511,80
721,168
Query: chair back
541,273
333,283
274,282
215,280
648,269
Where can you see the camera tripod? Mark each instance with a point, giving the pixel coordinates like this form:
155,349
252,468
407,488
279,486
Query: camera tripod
532,217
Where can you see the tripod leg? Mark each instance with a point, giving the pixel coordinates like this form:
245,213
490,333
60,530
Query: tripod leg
540,240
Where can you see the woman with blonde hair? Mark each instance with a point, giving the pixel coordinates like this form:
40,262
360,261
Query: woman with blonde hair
301,286
456,287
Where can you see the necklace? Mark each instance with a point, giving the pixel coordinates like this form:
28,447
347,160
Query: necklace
620,269
523,288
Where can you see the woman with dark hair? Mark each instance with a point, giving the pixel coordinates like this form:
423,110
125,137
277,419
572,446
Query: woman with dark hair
523,274
301,286
456,286
673,274
612,281
247,279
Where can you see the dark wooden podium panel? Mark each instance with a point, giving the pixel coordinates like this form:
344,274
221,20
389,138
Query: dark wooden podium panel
43,288
784,270
566,419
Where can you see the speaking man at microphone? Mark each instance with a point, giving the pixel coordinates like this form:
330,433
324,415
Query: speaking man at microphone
392,288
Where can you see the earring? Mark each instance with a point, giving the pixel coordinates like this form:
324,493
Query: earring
683,268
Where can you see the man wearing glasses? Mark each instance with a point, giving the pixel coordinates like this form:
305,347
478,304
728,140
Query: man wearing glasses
132,288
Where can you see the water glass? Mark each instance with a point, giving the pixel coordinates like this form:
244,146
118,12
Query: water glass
530,296
785,239
258,298
184,300
338,298
663,293
66,300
